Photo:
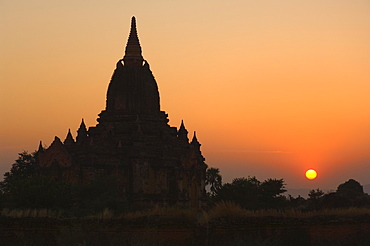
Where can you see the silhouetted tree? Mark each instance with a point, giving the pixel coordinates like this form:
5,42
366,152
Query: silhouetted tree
243,191
297,202
350,188
214,179
22,187
22,169
40,192
271,190
272,187
315,194
333,200
348,194
315,198
250,193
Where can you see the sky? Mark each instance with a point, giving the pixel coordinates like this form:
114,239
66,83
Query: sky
272,88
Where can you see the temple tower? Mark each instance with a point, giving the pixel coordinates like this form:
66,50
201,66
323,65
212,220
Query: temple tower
133,89
154,162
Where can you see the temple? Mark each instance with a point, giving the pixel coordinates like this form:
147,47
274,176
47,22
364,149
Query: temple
154,162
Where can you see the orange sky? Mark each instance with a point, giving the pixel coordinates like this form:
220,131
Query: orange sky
271,87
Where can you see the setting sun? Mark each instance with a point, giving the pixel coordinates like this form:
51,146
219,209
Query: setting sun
311,174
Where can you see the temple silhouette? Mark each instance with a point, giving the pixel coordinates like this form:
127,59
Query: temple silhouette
132,141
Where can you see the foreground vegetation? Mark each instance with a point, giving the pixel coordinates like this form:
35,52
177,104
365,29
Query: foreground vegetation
222,210
36,210
225,224
24,189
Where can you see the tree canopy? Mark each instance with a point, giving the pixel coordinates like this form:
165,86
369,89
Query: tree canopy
22,169
214,180
22,187
250,193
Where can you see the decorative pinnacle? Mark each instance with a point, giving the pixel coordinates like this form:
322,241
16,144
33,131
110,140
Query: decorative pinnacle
195,141
195,136
69,139
41,149
133,49
133,38
82,125
182,127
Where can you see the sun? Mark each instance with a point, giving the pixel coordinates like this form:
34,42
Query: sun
311,174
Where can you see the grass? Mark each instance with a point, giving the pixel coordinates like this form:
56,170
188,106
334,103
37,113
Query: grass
221,210
226,223
30,213
231,210
162,214
104,215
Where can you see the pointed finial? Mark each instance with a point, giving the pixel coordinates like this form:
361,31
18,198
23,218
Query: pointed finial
82,128
133,50
182,126
81,132
69,139
183,133
133,23
194,141
133,38
82,125
41,149
195,136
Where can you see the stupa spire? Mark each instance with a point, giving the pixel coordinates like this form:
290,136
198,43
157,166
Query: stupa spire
133,49
132,89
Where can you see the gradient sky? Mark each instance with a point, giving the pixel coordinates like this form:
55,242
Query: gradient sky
271,87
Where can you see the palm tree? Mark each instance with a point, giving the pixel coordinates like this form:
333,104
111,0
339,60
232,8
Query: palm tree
214,179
